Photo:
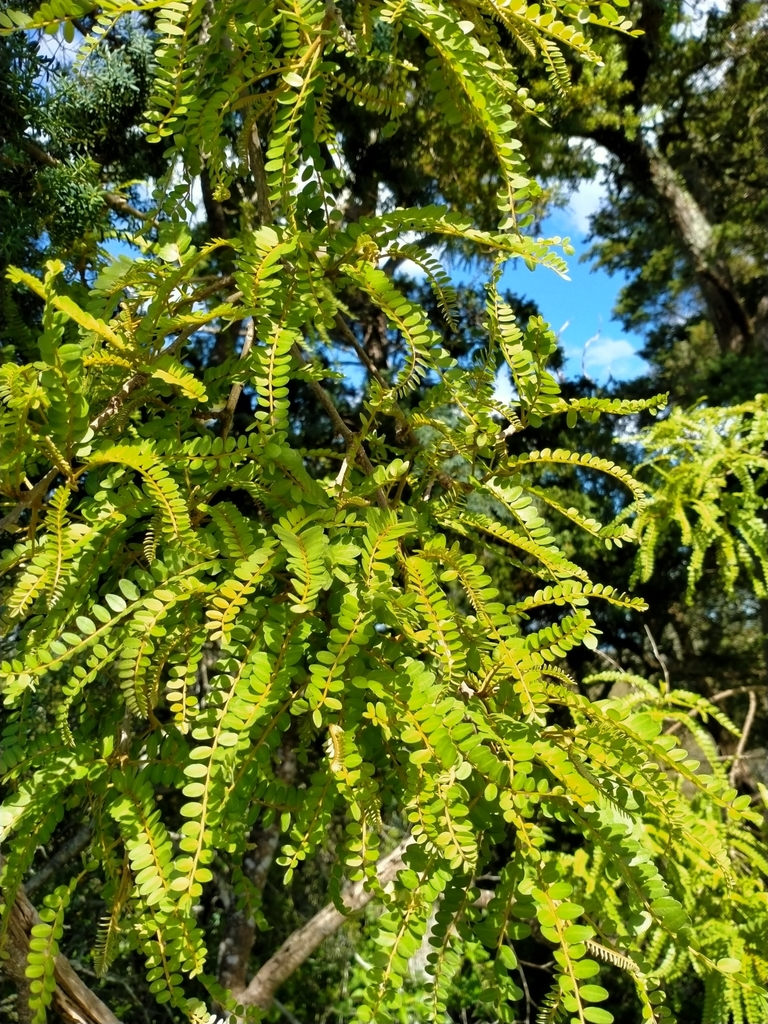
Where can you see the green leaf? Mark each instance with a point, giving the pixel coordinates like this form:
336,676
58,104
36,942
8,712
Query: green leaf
593,993
597,1015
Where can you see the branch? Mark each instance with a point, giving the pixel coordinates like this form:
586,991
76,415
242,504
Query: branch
299,946
210,289
339,425
65,852
122,206
237,389
111,409
748,722
256,162
29,498
362,355
74,1002
444,479
653,174
112,199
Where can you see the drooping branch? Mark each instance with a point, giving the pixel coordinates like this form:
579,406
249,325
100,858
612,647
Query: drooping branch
74,1002
240,927
299,946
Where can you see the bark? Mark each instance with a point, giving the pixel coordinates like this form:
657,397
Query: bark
256,163
725,308
74,1002
761,324
649,169
651,172
299,946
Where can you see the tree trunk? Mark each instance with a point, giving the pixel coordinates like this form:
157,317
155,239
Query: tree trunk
74,1002
726,311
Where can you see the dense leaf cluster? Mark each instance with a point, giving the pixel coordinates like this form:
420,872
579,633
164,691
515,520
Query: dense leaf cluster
187,596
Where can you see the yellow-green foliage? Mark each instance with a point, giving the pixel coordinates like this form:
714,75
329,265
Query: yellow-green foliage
161,541
707,470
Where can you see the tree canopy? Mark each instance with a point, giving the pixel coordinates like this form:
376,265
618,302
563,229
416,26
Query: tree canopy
289,592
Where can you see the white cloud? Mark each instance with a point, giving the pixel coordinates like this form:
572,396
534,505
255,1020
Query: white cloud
586,199
584,202
610,357
503,391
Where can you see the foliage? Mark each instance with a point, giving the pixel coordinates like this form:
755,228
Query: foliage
679,112
708,469
186,595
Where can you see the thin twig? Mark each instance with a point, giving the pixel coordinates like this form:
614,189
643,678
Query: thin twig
110,410
76,844
211,289
362,355
528,1000
340,426
285,1011
237,388
760,688
748,722
29,498
611,661
659,658
734,692
409,436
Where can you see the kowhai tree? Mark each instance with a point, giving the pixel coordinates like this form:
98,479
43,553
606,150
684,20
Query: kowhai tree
224,647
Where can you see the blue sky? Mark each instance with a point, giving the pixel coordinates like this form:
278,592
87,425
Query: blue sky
579,309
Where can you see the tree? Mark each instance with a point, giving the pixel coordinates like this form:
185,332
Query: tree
220,642
680,112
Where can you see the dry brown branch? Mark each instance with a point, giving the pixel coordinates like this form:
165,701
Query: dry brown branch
74,1002
299,946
